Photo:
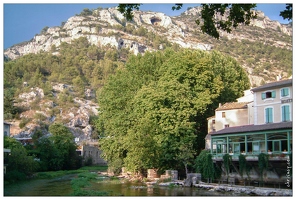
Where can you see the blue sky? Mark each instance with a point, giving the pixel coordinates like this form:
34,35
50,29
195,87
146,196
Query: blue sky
21,22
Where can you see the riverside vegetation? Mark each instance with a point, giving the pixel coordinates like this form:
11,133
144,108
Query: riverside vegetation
152,107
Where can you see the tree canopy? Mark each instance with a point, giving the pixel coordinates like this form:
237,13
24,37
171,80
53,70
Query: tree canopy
235,14
152,112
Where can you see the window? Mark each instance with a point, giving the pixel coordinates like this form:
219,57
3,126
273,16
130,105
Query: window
276,145
223,115
226,125
256,147
236,148
284,92
267,95
268,115
285,113
213,121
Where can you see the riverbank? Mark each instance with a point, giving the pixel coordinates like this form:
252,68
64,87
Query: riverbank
236,189
248,190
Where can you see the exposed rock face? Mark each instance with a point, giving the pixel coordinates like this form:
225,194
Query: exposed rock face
29,97
77,117
79,26
262,21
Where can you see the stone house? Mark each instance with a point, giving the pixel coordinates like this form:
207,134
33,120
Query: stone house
92,152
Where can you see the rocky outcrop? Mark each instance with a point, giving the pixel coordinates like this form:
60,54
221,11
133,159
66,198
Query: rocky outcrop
76,118
29,97
79,26
262,21
105,27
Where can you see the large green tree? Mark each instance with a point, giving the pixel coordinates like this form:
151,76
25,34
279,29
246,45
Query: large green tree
153,111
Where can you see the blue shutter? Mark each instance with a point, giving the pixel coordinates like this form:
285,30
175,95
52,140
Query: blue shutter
268,115
273,94
287,110
286,113
263,95
286,92
282,92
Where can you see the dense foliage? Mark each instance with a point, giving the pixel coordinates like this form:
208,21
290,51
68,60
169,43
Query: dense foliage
205,165
48,153
153,112
20,164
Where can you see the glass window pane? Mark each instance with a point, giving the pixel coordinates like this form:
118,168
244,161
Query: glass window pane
256,147
236,148
276,145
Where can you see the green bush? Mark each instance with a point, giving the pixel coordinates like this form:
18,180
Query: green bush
23,122
15,176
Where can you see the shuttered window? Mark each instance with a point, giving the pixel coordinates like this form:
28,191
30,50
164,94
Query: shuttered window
285,113
268,115
284,92
269,94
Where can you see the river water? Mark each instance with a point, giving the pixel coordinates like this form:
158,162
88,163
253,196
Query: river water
62,187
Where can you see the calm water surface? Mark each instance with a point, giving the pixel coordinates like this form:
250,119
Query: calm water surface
62,187
43,187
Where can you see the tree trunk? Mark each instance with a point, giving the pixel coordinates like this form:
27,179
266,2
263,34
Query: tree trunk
186,170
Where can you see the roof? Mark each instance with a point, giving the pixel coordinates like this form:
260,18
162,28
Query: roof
211,117
253,128
7,123
233,105
282,83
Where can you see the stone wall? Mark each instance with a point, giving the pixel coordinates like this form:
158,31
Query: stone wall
94,153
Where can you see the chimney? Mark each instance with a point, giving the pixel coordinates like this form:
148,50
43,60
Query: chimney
278,77
220,105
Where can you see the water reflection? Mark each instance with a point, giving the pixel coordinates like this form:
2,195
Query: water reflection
62,187
140,189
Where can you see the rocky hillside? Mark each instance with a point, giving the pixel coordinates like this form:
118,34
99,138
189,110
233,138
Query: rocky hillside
109,27
39,111
264,49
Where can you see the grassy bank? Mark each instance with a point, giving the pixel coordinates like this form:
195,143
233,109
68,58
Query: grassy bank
54,174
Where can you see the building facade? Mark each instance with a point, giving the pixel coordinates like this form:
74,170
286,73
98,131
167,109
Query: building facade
272,129
273,102
6,129
270,133
92,152
231,114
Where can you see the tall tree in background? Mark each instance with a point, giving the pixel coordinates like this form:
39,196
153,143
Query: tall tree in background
152,111
235,14
63,141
